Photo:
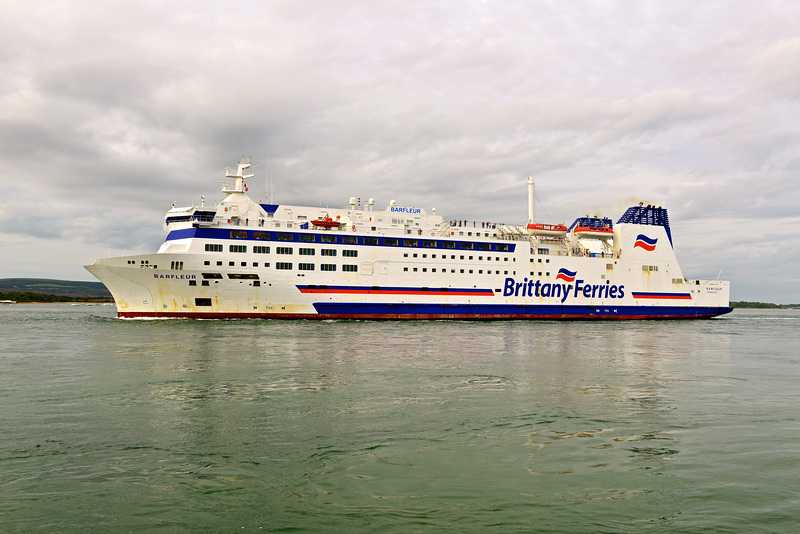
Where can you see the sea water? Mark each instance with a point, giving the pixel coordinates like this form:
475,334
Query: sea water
110,425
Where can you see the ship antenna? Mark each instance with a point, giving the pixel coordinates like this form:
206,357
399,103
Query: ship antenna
532,202
269,191
531,206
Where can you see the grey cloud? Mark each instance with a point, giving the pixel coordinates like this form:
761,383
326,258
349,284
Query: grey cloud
111,111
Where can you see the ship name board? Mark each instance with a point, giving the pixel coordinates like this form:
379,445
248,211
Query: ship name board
530,288
413,211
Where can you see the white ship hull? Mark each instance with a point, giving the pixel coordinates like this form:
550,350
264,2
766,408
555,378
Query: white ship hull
265,261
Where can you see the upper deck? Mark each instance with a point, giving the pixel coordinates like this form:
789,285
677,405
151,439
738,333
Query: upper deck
240,217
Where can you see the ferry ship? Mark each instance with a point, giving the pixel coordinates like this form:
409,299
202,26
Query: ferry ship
245,259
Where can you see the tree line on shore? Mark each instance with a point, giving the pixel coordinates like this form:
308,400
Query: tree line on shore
25,296
766,305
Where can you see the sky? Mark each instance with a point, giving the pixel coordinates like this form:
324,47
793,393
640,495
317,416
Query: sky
112,111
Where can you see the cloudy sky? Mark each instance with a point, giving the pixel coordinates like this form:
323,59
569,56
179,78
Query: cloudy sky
113,110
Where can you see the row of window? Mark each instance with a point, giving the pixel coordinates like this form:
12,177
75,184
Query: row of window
323,267
452,257
143,264
260,249
266,264
281,266
327,267
256,283
359,240
462,271
353,268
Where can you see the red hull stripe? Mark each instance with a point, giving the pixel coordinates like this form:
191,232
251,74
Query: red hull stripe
355,290
671,296
405,316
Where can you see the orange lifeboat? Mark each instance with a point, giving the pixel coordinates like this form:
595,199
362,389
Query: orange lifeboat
547,230
593,232
326,222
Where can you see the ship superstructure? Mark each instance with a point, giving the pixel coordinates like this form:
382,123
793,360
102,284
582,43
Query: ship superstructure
244,259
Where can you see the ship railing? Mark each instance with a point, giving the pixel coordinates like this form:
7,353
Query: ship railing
543,249
511,233
443,229
477,225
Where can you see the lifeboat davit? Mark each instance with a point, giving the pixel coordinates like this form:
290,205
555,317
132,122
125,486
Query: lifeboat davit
593,232
326,222
547,230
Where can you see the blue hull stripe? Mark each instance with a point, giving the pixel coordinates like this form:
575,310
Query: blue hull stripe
512,311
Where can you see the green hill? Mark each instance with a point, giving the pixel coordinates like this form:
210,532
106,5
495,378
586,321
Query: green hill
44,290
763,305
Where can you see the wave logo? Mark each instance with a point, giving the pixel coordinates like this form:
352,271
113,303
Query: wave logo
566,275
647,243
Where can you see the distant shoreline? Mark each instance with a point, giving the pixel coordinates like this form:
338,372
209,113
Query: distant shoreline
24,290
42,298
763,305
40,290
